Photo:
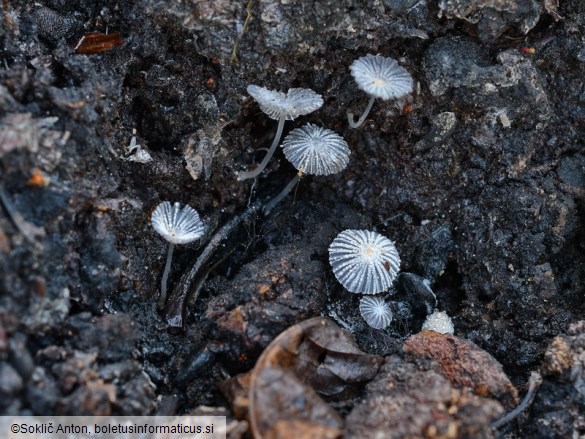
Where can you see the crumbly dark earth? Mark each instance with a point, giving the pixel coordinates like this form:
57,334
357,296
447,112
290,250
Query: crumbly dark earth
478,176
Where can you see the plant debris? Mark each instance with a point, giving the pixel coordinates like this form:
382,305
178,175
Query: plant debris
314,361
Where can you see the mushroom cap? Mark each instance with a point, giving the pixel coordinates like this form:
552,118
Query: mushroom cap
381,77
315,150
176,225
364,261
294,103
375,311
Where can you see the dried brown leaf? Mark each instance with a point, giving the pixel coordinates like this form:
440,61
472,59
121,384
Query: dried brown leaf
308,361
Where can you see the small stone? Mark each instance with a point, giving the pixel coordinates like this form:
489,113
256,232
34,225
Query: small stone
10,380
581,55
504,120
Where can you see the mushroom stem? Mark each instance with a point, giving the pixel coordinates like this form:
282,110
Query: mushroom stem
283,193
266,159
163,283
360,121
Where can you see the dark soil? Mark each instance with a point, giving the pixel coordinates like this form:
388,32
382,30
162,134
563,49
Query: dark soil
478,176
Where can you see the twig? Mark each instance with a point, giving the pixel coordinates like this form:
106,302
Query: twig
165,277
534,383
180,295
234,55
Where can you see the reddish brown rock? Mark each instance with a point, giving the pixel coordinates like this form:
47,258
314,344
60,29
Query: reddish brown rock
465,365
409,400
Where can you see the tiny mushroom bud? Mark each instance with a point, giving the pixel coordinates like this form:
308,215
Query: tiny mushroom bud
380,77
375,312
312,150
440,322
177,226
364,261
282,107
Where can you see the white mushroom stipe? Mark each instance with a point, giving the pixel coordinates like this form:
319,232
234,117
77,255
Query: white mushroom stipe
245,175
375,312
178,226
280,106
380,77
283,193
362,118
364,261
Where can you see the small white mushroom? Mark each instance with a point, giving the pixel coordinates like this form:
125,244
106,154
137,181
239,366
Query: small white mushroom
375,311
280,106
312,150
316,151
364,261
177,226
380,77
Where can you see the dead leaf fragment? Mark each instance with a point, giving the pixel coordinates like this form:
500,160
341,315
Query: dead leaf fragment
236,391
280,397
304,430
308,362
96,42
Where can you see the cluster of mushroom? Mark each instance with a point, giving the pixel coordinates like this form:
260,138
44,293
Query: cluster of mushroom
367,263
312,149
364,262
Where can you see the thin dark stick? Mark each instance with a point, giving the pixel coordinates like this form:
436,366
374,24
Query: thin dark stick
163,283
534,383
179,296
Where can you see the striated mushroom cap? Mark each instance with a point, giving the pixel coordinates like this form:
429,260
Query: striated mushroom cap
375,312
381,77
176,225
315,150
364,261
295,103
